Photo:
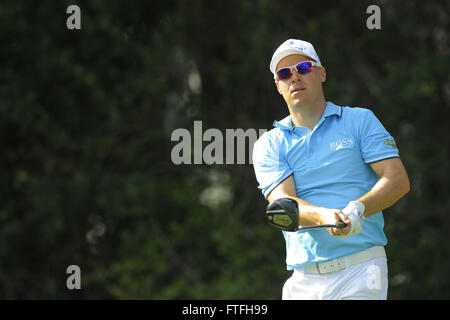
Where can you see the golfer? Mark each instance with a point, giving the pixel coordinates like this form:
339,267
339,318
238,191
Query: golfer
339,164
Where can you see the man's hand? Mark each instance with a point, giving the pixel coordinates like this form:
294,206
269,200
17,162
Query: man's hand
333,216
355,212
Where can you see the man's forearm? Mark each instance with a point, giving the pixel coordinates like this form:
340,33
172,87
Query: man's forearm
308,213
384,194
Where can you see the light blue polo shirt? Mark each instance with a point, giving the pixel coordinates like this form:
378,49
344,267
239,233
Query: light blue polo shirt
330,166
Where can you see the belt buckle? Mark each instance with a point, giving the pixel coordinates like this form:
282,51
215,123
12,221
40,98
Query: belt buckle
330,266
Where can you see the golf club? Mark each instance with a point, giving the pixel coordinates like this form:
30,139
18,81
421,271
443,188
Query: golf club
281,219
339,225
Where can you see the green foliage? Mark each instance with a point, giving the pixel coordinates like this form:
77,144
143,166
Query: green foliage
86,118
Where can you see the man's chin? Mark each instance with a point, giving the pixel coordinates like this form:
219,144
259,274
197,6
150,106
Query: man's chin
298,106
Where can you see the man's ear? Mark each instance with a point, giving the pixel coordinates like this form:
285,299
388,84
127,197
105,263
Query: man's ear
323,74
278,87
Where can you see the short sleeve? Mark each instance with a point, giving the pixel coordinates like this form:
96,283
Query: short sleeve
375,141
269,163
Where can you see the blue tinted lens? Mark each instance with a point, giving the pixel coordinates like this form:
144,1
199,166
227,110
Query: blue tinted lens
304,67
284,73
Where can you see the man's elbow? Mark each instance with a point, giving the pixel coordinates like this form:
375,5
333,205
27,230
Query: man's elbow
404,185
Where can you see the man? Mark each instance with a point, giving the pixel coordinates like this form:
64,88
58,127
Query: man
338,164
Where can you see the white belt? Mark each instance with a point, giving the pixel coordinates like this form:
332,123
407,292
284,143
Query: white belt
338,264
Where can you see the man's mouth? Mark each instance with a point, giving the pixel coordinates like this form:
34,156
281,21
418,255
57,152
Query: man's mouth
297,89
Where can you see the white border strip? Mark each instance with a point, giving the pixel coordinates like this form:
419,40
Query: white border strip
383,157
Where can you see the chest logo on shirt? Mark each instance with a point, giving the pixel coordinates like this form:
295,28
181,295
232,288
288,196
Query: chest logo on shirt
341,144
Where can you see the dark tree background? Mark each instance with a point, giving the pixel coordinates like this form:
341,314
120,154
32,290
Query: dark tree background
86,118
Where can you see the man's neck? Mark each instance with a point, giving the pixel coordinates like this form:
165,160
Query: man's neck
307,116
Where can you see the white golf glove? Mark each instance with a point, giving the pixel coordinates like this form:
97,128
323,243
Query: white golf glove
355,212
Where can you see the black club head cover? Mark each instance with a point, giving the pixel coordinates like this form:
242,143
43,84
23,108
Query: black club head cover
283,214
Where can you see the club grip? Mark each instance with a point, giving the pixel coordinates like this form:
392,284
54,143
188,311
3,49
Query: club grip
340,225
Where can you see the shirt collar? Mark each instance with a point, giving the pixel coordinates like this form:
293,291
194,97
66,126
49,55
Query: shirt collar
285,124
330,109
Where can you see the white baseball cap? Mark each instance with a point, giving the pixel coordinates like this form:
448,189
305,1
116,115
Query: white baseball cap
293,46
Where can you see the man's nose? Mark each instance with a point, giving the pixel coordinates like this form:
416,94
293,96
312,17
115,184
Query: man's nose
296,76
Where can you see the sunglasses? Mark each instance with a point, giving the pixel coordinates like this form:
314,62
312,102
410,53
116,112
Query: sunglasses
302,68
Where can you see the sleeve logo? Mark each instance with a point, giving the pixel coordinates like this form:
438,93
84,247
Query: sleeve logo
390,142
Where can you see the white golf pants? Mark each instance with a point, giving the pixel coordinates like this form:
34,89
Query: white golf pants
363,281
